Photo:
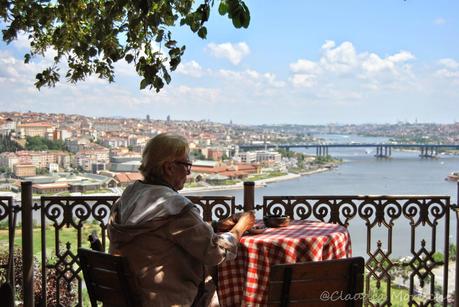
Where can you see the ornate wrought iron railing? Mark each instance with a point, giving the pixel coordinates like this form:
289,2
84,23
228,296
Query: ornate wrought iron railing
380,213
7,210
428,218
74,212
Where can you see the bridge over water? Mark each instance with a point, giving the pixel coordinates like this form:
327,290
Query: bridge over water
382,150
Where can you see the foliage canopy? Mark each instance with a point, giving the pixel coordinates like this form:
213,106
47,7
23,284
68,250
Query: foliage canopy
8,145
91,35
37,143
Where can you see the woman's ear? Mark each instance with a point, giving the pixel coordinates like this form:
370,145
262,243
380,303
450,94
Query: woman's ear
168,168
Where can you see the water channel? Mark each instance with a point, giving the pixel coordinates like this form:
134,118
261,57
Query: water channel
405,173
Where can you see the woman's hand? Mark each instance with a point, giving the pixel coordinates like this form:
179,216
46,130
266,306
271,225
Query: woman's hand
225,224
228,223
245,221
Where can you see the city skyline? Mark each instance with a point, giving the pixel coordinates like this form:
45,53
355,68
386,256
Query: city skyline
301,63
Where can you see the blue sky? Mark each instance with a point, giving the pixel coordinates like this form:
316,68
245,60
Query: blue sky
304,62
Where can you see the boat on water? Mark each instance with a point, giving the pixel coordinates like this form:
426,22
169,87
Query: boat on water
454,176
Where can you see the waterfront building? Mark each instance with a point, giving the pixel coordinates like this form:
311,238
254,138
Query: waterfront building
41,129
85,158
259,156
24,170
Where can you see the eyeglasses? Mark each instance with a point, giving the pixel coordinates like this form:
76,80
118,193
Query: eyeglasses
187,164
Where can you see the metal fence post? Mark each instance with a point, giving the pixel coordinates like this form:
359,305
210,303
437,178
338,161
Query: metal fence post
11,229
27,243
249,195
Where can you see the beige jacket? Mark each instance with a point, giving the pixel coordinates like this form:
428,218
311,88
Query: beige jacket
166,242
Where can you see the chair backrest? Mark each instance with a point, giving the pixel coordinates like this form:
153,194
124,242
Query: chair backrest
107,278
321,283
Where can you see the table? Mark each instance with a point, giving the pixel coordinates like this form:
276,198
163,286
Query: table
244,281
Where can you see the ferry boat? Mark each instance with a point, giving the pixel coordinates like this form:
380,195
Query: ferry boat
454,176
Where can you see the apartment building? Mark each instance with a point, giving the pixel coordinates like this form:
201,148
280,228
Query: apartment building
247,157
41,129
24,170
39,159
114,142
107,126
86,158
266,155
76,144
259,156
7,125
215,154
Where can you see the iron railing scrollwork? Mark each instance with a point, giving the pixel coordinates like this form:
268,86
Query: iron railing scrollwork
380,213
424,216
7,209
74,212
215,207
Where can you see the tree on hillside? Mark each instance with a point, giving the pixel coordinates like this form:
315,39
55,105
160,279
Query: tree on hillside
38,143
7,144
90,36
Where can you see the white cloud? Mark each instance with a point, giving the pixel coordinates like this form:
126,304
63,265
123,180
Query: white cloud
449,63
342,66
192,69
304,66
373,63
123,68
302,80
199,94
251,78
341,59
232,52
22,41
445,73
13,70
402,56
439,21
342,81
449,69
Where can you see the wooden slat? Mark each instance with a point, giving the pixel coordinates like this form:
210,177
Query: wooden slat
332,270
308,281
107,278
310,289
109,296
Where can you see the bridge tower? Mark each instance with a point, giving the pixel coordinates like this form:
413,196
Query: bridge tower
383,152
428,151
321,150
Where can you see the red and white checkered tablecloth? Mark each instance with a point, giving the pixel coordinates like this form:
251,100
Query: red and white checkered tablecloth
244,281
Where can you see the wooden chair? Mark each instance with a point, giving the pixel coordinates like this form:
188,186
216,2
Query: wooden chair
107,279
306,284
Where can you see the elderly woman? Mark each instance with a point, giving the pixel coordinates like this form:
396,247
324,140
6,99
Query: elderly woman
162,234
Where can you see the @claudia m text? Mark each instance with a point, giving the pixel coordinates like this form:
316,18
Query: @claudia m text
336,296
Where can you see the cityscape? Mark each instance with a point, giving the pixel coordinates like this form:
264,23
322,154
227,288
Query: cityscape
69,154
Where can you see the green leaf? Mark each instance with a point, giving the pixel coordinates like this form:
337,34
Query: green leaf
223,8
202,33
129,58
166,76
159,36
236,22
92,52
91,36
143,84
245,16
158,84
